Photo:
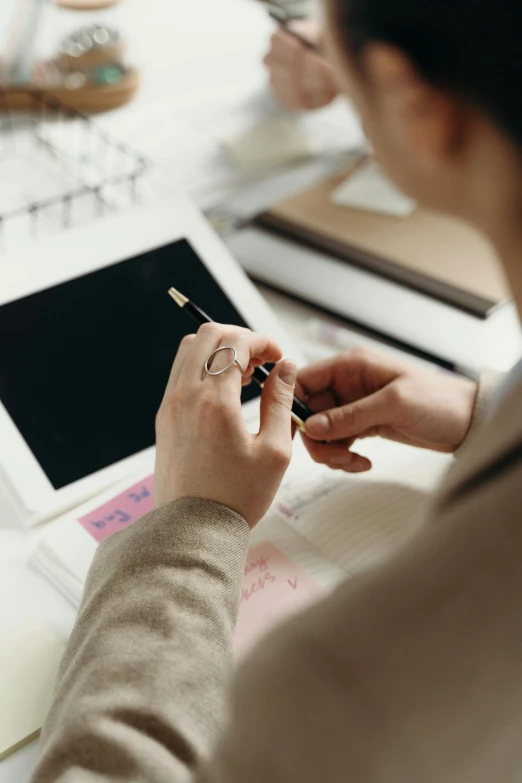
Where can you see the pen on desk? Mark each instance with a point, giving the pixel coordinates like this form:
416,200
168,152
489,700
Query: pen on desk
300,411
283,19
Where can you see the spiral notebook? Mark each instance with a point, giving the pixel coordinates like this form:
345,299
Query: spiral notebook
323,527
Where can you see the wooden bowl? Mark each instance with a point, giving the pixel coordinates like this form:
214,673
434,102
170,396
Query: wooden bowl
86,5
92,59
89,99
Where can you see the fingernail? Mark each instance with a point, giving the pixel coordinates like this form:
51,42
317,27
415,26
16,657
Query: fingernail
341,459
318,425
359,467
288,373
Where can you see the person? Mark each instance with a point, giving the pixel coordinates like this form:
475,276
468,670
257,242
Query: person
301,79
411,671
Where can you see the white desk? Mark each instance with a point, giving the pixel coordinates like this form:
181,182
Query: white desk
188,53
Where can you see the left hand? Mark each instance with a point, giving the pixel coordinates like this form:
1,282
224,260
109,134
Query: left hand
203,448
361,393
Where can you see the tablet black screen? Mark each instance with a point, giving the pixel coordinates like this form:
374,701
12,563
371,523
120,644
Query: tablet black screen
83,365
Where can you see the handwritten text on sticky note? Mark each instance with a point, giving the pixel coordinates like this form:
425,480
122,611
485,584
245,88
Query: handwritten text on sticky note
121,511
273,589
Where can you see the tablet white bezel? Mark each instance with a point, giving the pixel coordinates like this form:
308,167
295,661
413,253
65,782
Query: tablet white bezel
83,250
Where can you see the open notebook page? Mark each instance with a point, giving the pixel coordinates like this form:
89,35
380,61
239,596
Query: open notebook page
298,548
357,521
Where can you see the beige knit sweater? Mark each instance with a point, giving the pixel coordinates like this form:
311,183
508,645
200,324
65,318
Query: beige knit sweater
410,674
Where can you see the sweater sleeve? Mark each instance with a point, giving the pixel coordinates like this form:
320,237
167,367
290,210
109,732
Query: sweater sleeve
142,688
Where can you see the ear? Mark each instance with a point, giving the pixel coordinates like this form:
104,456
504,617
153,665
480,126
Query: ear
421,117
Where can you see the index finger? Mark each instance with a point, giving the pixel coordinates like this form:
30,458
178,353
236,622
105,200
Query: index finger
317,377
250,347
286,49
358,371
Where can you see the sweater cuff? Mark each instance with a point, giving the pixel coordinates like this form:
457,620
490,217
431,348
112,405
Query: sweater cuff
487,386
181,531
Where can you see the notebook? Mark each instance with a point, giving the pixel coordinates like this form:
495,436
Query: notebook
29,659
322,528
430,253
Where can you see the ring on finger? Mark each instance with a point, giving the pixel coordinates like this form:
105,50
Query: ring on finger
234,361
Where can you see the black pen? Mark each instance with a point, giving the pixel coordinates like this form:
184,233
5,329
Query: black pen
283,19
300,411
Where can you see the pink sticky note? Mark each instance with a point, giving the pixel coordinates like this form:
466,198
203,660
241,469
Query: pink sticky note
273,589
121,511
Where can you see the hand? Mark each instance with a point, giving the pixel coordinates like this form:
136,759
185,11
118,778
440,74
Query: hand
361,394
300,79
203,448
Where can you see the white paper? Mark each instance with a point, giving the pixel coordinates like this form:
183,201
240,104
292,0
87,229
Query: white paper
273,142
371,190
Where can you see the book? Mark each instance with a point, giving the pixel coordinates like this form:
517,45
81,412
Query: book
430,253
323,527
29,659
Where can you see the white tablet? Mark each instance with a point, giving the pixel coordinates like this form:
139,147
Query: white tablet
87,339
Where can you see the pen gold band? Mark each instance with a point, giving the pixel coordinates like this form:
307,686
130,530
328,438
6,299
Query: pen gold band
295,418
299,422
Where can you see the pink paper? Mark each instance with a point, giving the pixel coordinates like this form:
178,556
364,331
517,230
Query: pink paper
121,511
274,588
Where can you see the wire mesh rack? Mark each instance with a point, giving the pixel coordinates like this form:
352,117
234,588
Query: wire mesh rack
59,169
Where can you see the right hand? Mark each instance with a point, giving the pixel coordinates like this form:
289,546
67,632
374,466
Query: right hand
300,79
203,448
361,394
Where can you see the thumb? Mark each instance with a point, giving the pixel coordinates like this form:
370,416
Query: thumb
277,400
350,421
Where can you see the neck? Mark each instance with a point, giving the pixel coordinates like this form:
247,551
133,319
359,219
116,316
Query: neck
495,200
508,243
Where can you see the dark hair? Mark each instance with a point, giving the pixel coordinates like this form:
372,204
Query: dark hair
470,47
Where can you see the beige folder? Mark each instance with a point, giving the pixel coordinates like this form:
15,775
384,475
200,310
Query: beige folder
432,253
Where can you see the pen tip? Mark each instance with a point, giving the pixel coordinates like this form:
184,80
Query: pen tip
178,297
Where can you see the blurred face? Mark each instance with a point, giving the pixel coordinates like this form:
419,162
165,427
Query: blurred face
417,131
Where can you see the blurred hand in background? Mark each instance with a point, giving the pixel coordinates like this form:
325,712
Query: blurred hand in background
301,79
